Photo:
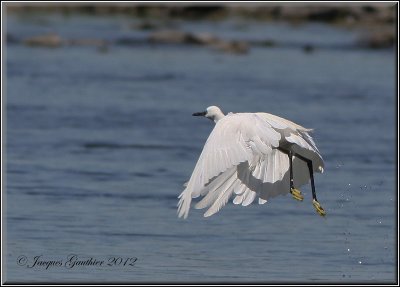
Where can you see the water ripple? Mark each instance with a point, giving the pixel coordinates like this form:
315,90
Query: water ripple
110,145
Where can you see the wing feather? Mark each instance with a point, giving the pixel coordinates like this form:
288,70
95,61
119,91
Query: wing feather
224,194
293,133
214,185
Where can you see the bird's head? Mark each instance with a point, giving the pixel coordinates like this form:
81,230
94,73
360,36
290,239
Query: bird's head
213,113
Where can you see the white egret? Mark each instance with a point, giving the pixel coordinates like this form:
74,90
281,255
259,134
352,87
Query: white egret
249,156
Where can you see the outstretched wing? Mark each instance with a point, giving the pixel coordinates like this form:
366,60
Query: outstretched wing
236,138
260,171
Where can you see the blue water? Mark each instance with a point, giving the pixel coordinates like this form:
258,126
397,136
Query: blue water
99,143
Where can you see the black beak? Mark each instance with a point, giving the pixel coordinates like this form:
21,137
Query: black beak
200,114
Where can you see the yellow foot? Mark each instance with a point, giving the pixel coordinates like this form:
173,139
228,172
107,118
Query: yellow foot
296,194
319,208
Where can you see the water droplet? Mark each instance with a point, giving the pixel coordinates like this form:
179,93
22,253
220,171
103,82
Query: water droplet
385,247
349,184
348,249
339,164
359,262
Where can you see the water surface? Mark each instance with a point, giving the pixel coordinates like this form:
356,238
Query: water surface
98,145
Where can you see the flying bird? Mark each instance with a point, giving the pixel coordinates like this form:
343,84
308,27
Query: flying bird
249,156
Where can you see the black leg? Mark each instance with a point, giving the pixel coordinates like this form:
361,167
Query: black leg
296,193
291,169
316,204
310,169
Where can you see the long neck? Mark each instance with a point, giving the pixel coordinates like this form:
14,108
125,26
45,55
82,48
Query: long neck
219,115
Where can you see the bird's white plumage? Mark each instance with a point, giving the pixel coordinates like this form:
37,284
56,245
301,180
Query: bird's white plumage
241,158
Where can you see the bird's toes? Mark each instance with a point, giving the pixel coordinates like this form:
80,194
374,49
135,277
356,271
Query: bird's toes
296,194
319,208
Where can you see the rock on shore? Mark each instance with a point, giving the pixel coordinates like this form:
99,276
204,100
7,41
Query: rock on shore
203,39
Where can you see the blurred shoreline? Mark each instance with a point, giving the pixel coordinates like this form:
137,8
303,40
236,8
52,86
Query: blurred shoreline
375,20
336,13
